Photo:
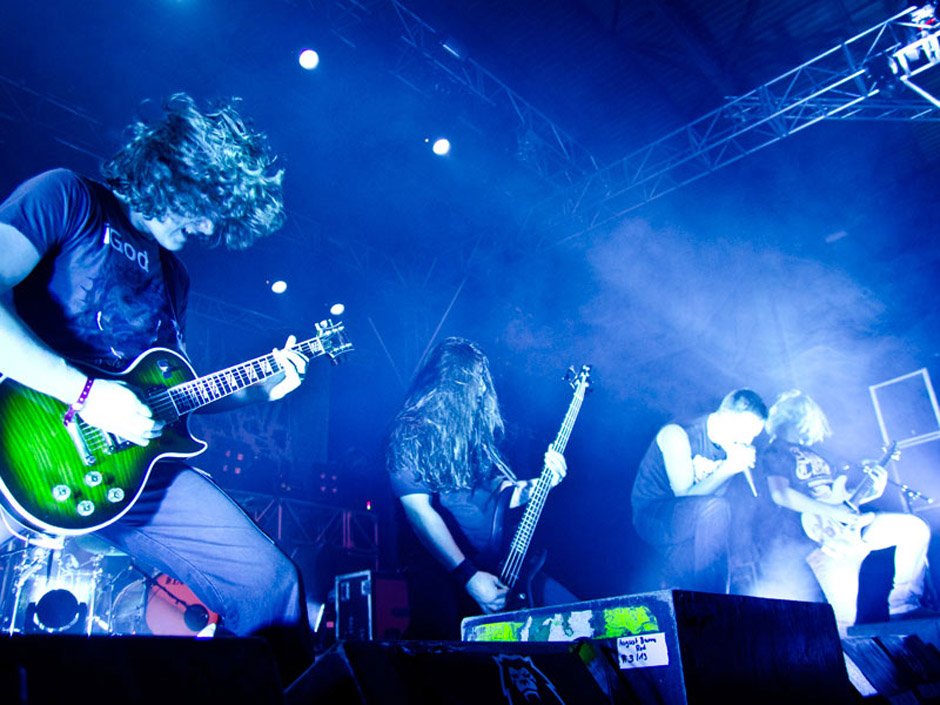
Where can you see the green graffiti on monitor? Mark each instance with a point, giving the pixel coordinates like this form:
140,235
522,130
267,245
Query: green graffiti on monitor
621,621
496,631
541,625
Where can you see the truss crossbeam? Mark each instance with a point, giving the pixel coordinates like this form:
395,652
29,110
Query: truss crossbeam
850,81
542,145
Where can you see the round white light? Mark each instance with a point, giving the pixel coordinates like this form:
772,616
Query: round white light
337,310
279,287
309,59
441,146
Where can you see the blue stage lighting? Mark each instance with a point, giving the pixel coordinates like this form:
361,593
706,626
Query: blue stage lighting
309,59
441,146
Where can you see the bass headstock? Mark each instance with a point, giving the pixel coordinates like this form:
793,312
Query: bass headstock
580,380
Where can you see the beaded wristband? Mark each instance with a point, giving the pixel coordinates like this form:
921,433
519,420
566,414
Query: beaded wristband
463,572
79,404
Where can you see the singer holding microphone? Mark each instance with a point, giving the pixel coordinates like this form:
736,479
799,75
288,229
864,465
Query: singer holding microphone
678,495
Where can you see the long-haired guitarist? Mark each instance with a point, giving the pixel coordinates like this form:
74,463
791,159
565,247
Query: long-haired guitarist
447,470
93,278
802,480
678,496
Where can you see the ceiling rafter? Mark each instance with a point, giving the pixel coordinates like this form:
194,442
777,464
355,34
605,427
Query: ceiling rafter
845,83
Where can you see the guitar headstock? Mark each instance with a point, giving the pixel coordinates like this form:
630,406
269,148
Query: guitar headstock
332,336
891,452
579,380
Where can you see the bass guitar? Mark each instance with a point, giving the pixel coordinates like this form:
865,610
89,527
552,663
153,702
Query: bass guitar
515,571
71,479
834,536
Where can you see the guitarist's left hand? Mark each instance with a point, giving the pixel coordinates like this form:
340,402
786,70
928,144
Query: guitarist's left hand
556,463
879,478
295,367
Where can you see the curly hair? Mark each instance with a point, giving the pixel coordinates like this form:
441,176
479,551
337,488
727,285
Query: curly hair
448,430
795,417
201,164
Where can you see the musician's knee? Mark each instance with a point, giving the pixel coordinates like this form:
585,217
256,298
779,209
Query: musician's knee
714,514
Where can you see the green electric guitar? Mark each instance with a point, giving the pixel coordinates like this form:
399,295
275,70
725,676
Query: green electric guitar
73,479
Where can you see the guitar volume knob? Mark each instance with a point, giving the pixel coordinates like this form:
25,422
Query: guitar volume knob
93,478
60,493
115,495
85,508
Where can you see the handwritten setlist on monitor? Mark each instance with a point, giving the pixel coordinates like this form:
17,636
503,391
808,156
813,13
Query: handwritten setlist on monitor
642,651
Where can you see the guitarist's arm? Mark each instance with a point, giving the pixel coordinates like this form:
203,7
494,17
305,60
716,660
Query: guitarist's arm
786,496
674,444
25,359
434,534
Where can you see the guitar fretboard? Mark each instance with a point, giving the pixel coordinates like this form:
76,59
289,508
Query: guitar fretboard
523,537
192,395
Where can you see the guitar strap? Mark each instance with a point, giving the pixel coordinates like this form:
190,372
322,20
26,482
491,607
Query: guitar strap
170,267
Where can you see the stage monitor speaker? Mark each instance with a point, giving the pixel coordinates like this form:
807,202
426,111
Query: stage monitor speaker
429,673
52,670
694,648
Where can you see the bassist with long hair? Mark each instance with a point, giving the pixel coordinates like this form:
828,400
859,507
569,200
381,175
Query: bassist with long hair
447,471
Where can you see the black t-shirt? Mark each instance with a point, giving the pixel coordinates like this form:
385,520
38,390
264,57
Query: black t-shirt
468,513
806,470
102,292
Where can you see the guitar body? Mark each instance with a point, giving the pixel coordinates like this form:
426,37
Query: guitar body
522,594
492,557
836,538
74,480
843,540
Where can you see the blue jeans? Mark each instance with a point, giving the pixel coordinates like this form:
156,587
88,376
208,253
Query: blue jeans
184,525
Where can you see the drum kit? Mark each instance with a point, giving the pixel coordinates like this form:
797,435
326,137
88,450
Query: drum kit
81,585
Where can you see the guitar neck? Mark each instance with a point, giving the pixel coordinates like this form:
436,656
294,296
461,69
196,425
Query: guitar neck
197,393
868,482
523,537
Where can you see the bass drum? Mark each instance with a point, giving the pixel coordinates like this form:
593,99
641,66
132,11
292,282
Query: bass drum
173,609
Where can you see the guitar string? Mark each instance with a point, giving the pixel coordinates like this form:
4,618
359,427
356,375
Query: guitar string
173,402
517,551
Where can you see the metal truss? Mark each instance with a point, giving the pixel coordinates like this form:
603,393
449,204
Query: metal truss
69,125
294,522
424,58
857,80
233,315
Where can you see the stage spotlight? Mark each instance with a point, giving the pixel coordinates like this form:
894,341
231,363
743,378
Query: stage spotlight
441,146
309,59
279,287
337,309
